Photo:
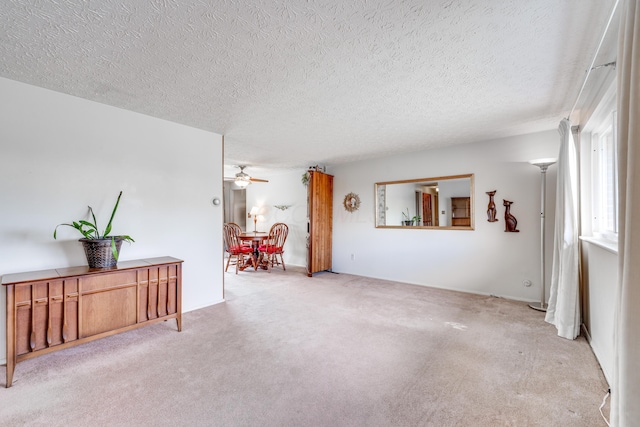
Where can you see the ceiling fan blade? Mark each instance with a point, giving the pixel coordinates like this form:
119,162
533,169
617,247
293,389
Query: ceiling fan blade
243,176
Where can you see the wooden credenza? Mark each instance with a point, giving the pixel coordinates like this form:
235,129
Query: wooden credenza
320,222
51,310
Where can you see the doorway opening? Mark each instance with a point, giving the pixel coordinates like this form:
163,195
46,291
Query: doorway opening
235,204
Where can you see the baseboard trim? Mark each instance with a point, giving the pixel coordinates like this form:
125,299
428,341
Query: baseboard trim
584,330
587,336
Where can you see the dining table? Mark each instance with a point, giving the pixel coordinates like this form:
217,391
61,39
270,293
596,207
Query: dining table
256,238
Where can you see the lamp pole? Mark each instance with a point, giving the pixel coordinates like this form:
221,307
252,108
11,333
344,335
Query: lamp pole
254,213
543,164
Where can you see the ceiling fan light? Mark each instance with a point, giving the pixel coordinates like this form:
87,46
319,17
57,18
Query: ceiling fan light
242,181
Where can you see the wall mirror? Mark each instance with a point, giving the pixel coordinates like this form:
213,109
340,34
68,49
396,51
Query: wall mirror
443,203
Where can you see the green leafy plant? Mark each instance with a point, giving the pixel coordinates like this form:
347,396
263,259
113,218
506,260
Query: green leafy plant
416,219
90,230
406,219
305,179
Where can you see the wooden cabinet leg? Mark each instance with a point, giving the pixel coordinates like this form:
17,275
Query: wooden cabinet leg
11,334
11,366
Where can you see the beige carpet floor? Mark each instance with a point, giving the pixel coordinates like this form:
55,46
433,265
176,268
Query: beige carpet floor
332,350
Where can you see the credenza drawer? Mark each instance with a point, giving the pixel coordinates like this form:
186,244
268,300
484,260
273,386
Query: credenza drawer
108,281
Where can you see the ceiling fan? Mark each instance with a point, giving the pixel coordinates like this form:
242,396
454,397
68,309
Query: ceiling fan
242,179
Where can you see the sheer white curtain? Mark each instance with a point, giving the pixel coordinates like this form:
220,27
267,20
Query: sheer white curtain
564,300
625,393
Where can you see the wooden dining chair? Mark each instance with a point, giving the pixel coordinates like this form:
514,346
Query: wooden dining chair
239,231
274,246
234,247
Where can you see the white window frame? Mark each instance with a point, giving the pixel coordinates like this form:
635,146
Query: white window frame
600,216
604,161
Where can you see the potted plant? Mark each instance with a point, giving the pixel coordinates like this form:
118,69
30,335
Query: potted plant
416,219
406,219
102,250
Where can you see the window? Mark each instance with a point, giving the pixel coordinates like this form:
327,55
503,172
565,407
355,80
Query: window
605,180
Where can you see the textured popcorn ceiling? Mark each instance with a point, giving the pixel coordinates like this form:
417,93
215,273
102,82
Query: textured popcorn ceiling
304,82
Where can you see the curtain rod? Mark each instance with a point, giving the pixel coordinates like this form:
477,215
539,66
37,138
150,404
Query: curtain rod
591,67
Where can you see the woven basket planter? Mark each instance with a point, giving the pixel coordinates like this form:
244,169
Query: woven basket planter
99,253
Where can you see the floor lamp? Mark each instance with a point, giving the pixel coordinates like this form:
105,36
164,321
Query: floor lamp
543,164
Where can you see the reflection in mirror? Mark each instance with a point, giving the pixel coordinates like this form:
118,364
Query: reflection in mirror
444,202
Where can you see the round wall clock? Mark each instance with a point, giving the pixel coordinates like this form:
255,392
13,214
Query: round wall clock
351,202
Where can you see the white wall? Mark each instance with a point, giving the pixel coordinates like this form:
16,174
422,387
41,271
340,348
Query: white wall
283,189
61,153
449,189
600,277
398,203
487,260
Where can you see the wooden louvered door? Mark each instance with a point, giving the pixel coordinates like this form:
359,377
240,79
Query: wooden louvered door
320,222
